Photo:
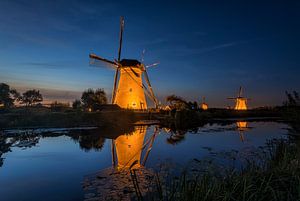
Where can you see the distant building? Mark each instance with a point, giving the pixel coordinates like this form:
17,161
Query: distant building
204,105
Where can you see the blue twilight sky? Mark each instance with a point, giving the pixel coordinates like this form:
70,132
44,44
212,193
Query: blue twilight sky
205,48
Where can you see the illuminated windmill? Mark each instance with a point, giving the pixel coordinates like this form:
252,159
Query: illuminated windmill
129,89
240,102
204,105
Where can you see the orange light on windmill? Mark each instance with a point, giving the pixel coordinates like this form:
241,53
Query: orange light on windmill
129,93
240,102
204,105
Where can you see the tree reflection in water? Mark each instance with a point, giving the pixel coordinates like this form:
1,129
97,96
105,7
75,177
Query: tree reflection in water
176,137
4,147
91,141
87,138
23,141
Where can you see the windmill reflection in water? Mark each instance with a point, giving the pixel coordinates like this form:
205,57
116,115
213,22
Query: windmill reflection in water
127,149
242,126
128,175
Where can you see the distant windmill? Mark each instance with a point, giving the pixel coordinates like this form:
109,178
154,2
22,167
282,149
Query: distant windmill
204,105
128,89
240,101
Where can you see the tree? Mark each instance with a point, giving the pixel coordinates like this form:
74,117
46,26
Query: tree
99,98
76,104
59,107
87,98
7,95
293,99
177,102
92,100
31,97
193,105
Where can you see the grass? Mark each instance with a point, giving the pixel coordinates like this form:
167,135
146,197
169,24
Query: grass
278,178
73,118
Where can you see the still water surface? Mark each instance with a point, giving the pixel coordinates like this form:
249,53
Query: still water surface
54,166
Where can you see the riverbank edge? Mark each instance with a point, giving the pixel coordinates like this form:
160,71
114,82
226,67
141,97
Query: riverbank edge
126,118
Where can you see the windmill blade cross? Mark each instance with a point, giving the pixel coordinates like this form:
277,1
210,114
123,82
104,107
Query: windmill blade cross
151,65
135,73
121,37
115,86
143,55
101,64
150,87
240,92
95,57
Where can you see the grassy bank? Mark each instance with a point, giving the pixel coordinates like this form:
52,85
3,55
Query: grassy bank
45,117
182,119
33,118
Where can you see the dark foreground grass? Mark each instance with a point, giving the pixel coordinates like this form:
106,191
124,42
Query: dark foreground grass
275,178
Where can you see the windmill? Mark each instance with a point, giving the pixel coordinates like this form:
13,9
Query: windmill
129,89
204,105
240,101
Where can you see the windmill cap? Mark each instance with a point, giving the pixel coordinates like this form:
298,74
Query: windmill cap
130,62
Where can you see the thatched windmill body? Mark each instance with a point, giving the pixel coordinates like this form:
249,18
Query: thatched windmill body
129,89
240,101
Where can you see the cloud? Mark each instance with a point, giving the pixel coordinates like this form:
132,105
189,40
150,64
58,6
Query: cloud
216,47
50,95
41,22
184,50
39,64
50,65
